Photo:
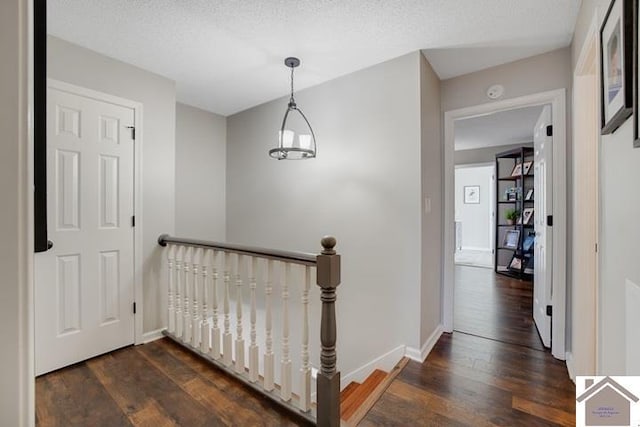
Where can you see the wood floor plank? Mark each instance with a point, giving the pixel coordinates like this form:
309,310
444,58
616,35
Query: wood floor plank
494,306
75,398
555,415
243,400
137,381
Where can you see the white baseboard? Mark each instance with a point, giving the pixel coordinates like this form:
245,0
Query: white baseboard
152,336
421,355
386,362
570,366
473,248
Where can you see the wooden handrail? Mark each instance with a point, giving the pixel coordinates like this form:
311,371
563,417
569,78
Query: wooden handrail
275,254
189,326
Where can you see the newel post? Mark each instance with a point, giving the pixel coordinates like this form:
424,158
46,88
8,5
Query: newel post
328,380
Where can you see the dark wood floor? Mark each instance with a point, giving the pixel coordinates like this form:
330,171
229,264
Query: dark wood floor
156,384
473,381
494,306
467,380
492,371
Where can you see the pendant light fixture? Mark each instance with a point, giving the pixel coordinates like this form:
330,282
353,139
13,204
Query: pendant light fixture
296,139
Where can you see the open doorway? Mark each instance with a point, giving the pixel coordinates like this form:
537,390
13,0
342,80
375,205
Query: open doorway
547,121
499,165
474,214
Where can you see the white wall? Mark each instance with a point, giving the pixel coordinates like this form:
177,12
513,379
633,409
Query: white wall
16,251
364,188
86,68
476,218
619,227
432,189
201,159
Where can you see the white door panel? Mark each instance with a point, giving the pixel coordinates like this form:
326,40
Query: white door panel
84,284
543,206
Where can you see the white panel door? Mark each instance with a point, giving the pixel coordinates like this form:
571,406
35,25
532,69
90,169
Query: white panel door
84,283
543,206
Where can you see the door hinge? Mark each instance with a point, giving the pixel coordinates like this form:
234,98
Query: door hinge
550,220
549,310
133,221
596,248
134,308
133,132
550,130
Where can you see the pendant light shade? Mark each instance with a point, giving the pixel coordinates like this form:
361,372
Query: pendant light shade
296,140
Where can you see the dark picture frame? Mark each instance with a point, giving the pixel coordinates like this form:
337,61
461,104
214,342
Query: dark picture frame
471,194
636,68
616,65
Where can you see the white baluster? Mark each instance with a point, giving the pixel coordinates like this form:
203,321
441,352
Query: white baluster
178,297
171,253
186,313
268,354
204,321
285,362
215,328
195,306
305,370
253,347
240,361
226,338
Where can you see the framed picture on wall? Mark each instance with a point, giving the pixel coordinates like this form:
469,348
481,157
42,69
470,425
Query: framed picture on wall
616,60
472,194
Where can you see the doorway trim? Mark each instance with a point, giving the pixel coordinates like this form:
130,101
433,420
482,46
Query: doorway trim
583,356
137,190
557,99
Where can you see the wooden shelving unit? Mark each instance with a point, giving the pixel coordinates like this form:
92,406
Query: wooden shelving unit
512,188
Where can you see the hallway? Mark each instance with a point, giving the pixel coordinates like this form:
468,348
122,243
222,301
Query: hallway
493,306
472,381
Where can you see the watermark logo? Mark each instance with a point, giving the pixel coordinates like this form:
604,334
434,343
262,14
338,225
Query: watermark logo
608,401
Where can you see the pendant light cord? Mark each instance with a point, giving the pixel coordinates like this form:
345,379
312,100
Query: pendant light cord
291,100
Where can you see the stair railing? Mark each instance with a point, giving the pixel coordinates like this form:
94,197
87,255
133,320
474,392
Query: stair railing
201,279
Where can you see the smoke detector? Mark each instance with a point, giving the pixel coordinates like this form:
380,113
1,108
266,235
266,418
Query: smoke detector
495,91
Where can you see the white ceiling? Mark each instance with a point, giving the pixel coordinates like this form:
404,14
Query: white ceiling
502,128
226,56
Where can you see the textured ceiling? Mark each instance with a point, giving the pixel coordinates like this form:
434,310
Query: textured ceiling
226,55
502,128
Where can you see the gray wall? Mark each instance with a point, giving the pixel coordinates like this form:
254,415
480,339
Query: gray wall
364,188
74,64
201,139
483,155
619,227
527,76
431,156
16,251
